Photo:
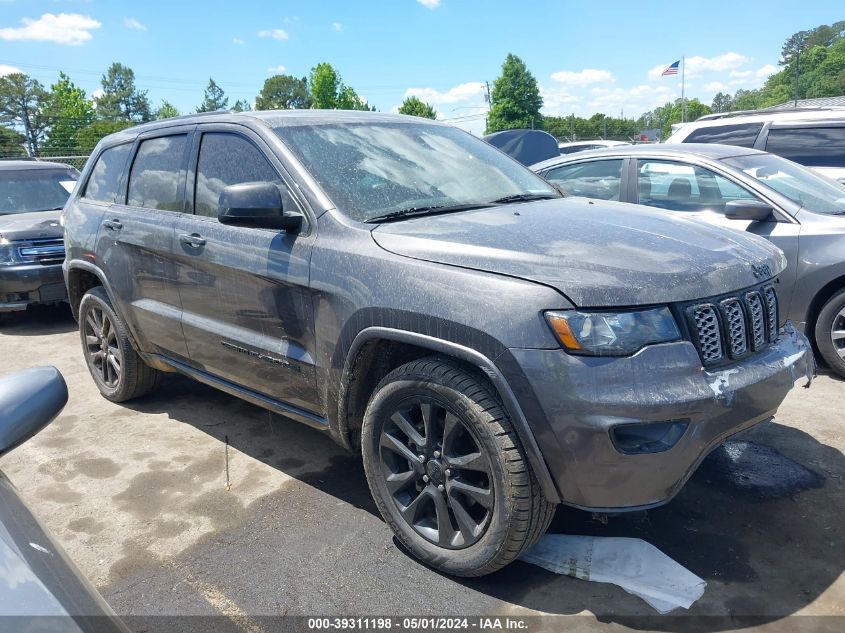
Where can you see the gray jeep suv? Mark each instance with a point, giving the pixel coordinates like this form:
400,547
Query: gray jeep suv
490,348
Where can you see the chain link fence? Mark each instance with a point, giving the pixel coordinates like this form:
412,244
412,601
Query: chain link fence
73,161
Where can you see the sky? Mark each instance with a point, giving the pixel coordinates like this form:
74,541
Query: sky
587,57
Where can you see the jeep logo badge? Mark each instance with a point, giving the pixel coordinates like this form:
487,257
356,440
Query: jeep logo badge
761,271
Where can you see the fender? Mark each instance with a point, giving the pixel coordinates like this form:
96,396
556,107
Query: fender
520,423
98,273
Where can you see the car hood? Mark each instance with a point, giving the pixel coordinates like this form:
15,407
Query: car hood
596,253
30,226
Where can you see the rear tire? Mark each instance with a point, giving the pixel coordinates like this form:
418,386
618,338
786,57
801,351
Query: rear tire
472,504
118,371
830,333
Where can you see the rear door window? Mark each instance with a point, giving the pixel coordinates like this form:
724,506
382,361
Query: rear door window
158,173
810,146
227,159
594,179
104,182
743,135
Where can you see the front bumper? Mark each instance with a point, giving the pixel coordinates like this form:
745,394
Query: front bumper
583,399
22,285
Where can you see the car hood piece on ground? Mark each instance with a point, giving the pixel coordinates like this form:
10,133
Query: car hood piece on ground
596,253
30,226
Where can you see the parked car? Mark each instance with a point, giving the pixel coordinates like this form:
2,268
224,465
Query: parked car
580,146
42,589
32,194
814,137
745,189
525,146
490,348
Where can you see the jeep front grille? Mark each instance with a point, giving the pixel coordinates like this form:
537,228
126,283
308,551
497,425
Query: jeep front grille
730,328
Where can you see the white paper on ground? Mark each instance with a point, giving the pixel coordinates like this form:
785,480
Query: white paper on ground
631,563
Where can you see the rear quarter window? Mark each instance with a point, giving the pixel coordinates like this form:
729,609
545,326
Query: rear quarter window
104,182
743,135
810,146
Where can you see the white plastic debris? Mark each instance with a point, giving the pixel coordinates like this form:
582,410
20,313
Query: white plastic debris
636,566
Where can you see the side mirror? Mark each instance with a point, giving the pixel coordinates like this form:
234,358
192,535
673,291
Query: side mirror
29,400
257,205
753,210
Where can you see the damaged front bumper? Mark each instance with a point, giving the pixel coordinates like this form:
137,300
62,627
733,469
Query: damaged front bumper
595,408
22,285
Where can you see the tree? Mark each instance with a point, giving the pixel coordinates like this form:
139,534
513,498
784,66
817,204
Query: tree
515,99
348,99
11,143
328,91
242,106
325,86
25,102
88,137
121,100
415,106
166,110
283,92
214,98
69,111
722,102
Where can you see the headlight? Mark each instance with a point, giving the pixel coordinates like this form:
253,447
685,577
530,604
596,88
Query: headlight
612,333
8,252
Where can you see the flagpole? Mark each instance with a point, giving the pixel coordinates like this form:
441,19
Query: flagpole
683,101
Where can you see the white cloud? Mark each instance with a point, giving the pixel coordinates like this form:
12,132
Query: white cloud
337,26
583,77
740,74
715,86
473,90
765,71
696,65
99,92
238,41
276,34
276,69
132,23
8,70
72,29
429,4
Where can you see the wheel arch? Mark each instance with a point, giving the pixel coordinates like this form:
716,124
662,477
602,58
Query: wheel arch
80,278
375,351
820,299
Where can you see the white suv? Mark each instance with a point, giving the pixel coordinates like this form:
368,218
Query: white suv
811,137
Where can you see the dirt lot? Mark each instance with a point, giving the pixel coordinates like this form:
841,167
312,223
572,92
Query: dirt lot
136,495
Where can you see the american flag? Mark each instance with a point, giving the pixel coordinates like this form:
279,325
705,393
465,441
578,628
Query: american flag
672,70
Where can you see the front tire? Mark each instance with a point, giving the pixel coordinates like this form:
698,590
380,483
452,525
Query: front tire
830,333
118,371
448,472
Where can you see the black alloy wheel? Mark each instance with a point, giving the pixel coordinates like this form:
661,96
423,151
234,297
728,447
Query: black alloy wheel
436,472
102,347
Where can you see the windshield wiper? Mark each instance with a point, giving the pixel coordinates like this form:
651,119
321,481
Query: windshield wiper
525,197
426,210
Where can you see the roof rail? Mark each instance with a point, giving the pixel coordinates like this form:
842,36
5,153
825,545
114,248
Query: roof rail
772,110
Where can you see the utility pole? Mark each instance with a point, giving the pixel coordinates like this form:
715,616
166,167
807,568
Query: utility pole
489,105
683,101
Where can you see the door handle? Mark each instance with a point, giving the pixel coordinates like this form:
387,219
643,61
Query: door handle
194,240
113,225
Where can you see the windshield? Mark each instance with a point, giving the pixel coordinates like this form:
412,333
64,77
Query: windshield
26,190
803,186
370,170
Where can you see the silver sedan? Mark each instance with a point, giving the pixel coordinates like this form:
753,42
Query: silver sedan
802,212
